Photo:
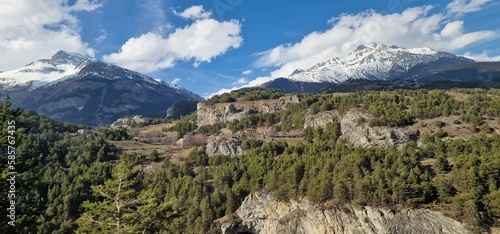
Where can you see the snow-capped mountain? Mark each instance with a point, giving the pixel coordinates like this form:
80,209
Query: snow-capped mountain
43,71
377,62
74,88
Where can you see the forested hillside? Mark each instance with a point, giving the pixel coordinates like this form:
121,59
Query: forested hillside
78,183
55,171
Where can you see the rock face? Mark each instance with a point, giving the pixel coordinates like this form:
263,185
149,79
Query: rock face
319,120
230,147
261,213
355,129
225,112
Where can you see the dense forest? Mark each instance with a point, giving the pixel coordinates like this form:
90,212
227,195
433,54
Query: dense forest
70,183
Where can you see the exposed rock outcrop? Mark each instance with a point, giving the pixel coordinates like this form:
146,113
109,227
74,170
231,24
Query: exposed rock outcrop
231,147
319,120
225,112
261,213
355,129
128,121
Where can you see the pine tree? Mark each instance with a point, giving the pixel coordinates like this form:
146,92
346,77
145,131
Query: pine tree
116,212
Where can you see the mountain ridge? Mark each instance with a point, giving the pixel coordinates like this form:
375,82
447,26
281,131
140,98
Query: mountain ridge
376,62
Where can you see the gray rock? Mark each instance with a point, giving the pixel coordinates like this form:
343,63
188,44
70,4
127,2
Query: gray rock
226,112
261,213
231,147
355,129
319,120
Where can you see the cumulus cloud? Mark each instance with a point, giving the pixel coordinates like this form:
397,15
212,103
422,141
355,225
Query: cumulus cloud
413,27
33,30
201,41
194,12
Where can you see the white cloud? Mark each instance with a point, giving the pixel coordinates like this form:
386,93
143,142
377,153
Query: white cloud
241,81
465,6
256,82
259,80
482,57
175,81
414,27
102,37
201,41
194,12
221,92
33,30
453,29
247,72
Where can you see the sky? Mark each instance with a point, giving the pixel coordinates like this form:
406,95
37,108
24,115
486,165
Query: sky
209,46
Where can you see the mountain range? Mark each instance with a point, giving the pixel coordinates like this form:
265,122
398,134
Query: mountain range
387,63
73,88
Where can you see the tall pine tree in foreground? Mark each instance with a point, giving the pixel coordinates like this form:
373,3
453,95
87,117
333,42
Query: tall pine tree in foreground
116,210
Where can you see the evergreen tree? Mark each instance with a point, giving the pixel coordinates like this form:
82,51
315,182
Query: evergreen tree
116,210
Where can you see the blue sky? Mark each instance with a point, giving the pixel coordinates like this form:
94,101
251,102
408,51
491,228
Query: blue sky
207,46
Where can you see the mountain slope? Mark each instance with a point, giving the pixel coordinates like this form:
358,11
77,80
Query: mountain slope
293,86
480,71
72,88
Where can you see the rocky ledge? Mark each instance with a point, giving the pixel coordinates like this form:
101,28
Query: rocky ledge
262,213
355,129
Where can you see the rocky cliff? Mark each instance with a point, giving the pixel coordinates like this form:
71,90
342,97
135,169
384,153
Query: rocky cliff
261,213
355,129
225,112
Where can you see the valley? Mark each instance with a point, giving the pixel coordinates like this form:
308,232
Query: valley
436,150
374,155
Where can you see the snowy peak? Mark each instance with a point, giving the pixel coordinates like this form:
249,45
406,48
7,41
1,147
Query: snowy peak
375,47
375,62
66,65
61,66
425,50
63,57
44,71
74,88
